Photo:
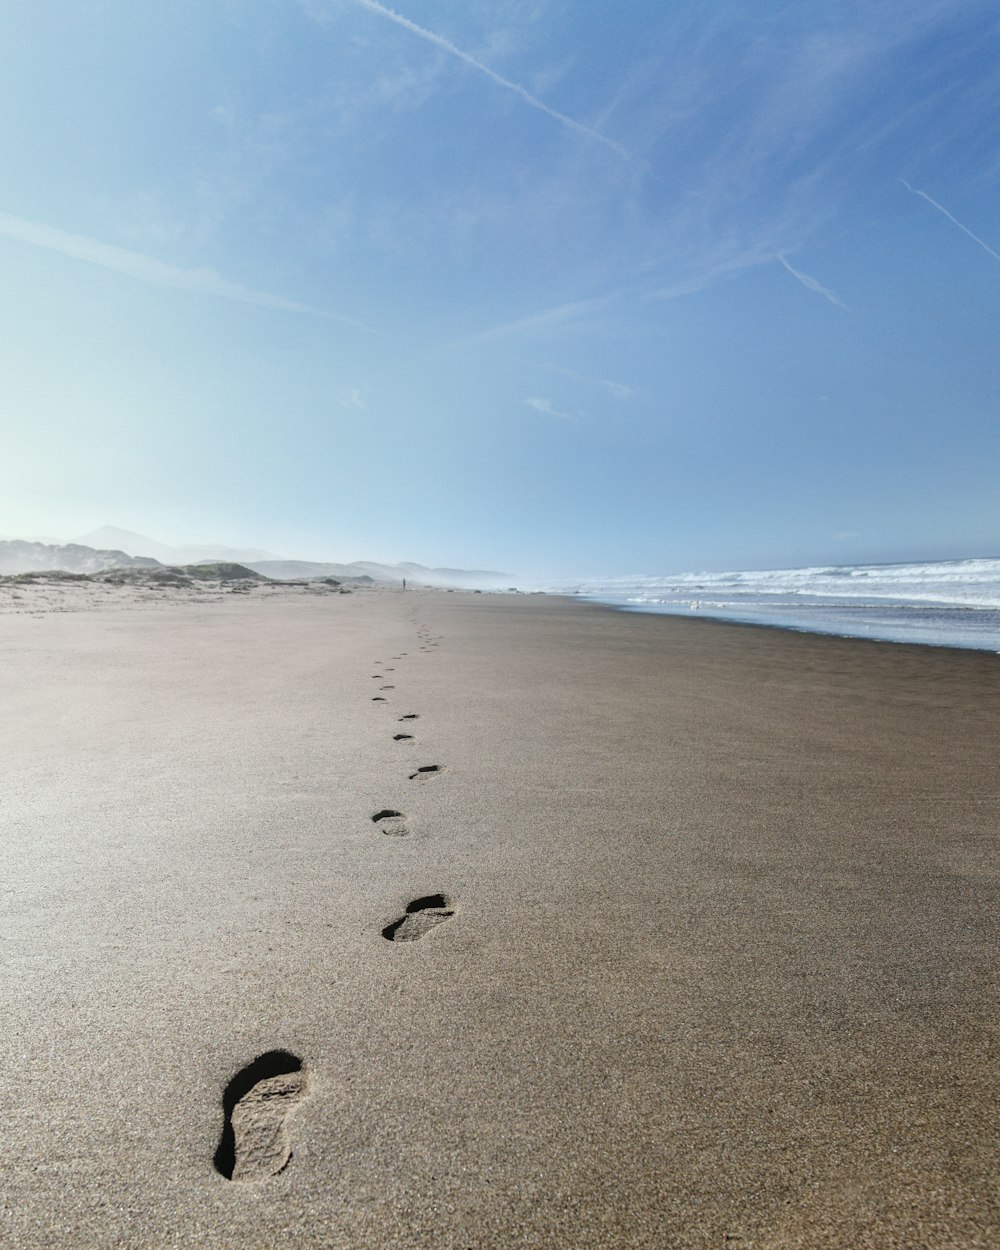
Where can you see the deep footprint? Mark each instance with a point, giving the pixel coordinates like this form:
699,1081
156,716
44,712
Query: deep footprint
378,699
257,1101
422,915
402,737
427,771
392,824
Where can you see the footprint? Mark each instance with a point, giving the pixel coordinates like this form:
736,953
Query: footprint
378,699
257,1101
387,687
422,915
426,771
402,737
411,716
392,824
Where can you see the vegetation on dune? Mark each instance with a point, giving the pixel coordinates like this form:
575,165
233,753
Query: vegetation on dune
221,572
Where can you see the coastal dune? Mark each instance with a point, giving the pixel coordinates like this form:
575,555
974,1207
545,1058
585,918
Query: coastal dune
450,920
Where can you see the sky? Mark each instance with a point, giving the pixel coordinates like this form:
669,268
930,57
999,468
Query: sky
562,288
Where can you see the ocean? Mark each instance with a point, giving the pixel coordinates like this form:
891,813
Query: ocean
941,603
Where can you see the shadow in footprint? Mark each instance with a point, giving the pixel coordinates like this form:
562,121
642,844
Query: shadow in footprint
427,771
256,1102
411,716
378,699
402,737
422,915
392,824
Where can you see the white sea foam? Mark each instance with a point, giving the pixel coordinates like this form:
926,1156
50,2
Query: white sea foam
964,583
943,602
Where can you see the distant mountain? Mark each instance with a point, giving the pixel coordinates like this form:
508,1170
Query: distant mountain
109,536
415,574
109,548
19,556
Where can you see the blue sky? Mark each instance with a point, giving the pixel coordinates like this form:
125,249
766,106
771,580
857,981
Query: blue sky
557,287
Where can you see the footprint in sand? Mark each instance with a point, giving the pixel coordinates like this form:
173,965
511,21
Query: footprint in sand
392,824
387,687
426,771
257,1101
422,915
378,699
402,737
411,716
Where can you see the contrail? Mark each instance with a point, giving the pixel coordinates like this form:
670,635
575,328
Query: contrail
148,269
812,284
941,209
440,42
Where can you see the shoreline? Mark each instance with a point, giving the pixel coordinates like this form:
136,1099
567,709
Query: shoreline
53,594
862,633
719,965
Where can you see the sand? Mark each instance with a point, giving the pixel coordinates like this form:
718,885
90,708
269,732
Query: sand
684,937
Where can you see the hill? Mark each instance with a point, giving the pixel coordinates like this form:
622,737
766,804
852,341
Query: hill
369,570
109,536
20,556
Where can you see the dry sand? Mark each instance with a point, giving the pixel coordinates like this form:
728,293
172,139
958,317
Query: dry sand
699,949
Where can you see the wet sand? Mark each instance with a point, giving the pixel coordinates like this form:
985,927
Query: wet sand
685,938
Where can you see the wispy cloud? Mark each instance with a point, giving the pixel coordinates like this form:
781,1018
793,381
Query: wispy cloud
713,264
572,313
147,269
812,284
453,50
618,390
546,319
954,220
548,409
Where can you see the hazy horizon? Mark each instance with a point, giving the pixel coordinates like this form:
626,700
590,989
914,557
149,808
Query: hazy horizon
533,287
191,553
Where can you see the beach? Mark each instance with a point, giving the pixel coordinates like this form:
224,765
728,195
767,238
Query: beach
701,950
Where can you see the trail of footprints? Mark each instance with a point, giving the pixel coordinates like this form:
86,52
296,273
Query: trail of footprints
261,1098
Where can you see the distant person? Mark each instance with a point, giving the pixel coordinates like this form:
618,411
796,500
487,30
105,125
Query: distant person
404,583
